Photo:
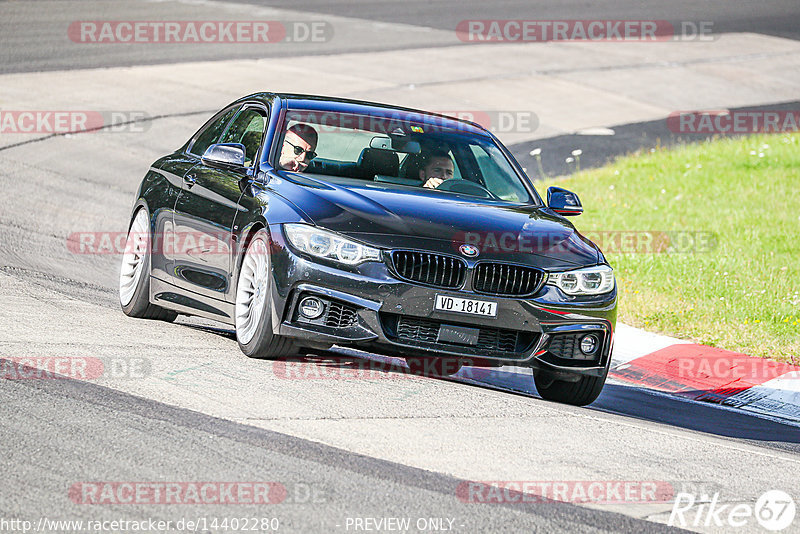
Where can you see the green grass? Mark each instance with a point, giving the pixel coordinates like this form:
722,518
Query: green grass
744,293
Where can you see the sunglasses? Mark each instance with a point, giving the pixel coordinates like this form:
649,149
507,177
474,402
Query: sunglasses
310,154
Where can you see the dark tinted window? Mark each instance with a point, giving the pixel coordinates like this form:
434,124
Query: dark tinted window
393,149
248,129
212,132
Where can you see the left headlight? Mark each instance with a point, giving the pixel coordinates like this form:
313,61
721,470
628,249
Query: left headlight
588,281
329,245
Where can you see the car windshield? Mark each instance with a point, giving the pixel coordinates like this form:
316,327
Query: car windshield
399,153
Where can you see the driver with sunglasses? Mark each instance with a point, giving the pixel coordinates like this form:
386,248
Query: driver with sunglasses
298,147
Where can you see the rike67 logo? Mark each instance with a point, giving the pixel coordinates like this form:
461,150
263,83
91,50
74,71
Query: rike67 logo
774,511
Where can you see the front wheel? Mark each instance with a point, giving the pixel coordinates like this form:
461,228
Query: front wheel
254,304
134,276
580,393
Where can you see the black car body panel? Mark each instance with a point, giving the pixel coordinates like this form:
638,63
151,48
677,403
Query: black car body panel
370,209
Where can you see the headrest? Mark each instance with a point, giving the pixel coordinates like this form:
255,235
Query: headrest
411,166
373,161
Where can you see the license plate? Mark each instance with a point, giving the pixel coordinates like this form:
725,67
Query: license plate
468,306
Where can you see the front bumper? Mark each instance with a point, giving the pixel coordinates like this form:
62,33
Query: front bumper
373,309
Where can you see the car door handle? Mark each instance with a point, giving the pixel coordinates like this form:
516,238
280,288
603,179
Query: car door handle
190,180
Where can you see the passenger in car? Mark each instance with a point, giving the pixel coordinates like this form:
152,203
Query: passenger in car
298,147
437,167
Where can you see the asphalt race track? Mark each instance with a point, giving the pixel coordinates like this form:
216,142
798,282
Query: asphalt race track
180,403
35,33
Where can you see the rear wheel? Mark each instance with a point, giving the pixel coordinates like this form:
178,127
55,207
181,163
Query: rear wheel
580,393
134,276
254,304
434,366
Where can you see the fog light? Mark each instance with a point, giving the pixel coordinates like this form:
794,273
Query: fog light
589,344
311,307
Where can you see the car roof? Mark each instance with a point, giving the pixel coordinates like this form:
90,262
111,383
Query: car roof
328,103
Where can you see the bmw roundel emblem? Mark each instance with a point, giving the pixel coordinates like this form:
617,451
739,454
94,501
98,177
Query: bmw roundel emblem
469,250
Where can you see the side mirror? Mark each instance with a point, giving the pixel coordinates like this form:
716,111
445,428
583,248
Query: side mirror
226,154
563,202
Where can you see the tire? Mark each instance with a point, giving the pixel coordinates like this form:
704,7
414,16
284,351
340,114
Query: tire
434,366
581,393
134,276
253,317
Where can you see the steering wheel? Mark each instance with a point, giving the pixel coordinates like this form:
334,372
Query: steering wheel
459,185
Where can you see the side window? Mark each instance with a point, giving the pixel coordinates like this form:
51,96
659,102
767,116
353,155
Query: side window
498,180
248,129
210,135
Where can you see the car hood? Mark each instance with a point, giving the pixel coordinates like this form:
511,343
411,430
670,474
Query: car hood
417,218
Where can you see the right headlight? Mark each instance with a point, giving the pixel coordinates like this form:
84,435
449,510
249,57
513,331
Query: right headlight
329,245
588,281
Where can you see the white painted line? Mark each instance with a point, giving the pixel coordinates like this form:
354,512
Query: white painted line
595,131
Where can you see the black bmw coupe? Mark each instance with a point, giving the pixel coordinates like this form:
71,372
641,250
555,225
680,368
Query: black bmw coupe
307,221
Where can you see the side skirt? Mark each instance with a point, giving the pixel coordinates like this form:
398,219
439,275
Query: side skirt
186,302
